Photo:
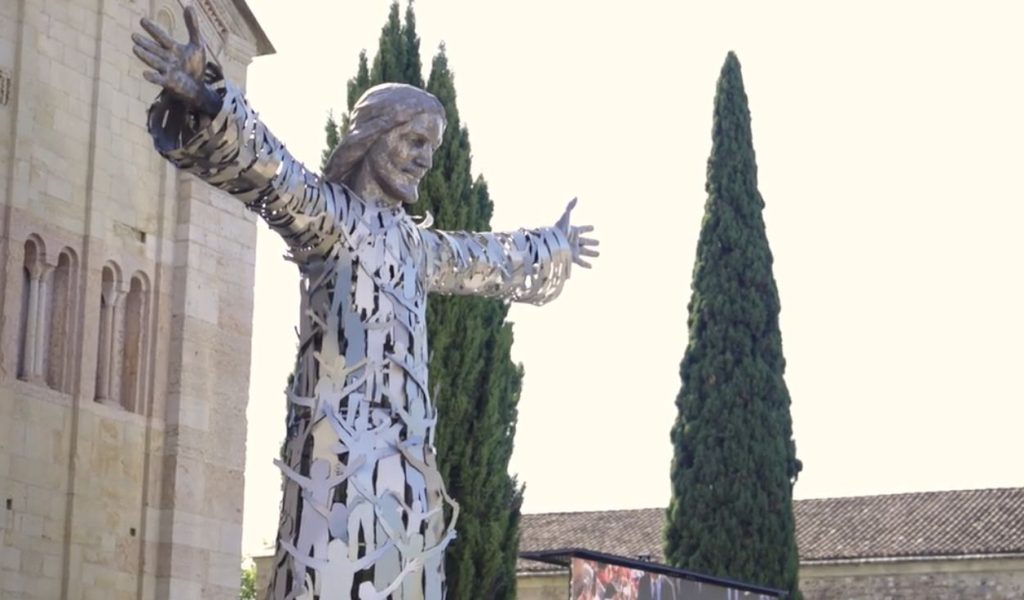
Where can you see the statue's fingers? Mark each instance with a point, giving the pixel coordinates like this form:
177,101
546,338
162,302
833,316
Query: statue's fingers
158,33
589,252
151,59
582,263
571,205
584,228
589,242
153,48
192,24
155,78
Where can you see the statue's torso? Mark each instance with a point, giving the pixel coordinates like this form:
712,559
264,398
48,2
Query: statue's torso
363,366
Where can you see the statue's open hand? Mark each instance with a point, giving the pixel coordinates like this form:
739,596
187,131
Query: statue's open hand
178,67
580,244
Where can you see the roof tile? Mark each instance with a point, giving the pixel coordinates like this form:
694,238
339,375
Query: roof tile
951,523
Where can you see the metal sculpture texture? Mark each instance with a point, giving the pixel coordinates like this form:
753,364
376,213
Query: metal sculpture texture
365,514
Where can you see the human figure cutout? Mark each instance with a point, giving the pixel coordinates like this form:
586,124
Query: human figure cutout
338,571
317,489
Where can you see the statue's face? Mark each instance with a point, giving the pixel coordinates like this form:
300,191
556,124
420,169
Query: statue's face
402,156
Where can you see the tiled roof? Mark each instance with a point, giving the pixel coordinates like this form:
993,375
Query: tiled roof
960,523
922,524
630,533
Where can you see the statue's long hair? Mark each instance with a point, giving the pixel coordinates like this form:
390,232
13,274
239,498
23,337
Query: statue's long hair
379,110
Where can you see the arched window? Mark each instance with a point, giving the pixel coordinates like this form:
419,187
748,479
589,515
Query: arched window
134,350
61,322
26,301
165,19
32,324
108,354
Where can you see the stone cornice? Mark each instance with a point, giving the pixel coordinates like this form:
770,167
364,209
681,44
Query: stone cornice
233,21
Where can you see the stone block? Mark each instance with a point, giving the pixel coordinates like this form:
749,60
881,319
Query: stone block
29,525
189,493
201,297
194,413
188,563
225,569
45,587
36,472
43,443
51,566
220,592
32,563
10,559
221,503
14,441
15,585
40,501
182,589
149,588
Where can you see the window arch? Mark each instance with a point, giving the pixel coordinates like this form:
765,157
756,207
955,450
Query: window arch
61,321
135,347
165,19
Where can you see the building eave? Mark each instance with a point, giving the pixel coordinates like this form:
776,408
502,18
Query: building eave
263,45
870,560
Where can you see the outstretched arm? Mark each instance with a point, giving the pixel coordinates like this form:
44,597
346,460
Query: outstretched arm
522,266
203,125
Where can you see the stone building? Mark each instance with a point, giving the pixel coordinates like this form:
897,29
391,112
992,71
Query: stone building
932,545
125,317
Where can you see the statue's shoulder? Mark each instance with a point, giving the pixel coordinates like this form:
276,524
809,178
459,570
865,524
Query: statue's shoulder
345,194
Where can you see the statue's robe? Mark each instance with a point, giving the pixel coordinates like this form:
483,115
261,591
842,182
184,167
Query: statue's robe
360,474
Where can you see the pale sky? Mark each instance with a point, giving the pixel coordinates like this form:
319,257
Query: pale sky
889,146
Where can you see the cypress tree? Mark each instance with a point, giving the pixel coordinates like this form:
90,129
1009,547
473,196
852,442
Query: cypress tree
389,65
358,84
333,133
478,384
412,67
734,461
355,88
471,369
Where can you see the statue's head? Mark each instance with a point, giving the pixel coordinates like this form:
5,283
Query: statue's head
393,134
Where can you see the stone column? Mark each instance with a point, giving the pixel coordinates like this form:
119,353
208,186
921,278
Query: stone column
116,346
106,360
35,331
41,317
29,348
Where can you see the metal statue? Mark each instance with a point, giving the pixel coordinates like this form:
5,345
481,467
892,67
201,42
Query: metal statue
364,508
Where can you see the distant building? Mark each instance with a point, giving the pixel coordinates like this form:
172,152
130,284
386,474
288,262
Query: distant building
125,317
931,545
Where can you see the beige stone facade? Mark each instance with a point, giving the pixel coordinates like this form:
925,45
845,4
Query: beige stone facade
991,578
125,317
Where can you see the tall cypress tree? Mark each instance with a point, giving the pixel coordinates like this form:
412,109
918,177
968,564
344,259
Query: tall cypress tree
397,61
735,462
478,384
355,88
412,67
333,133
471,369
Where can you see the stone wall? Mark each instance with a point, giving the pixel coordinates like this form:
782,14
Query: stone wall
965,579
543,586
125,319
996,579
